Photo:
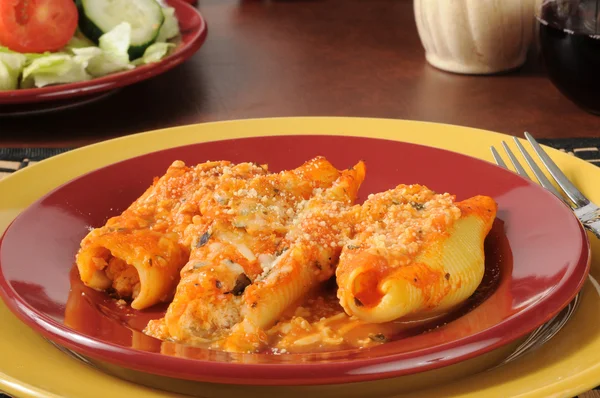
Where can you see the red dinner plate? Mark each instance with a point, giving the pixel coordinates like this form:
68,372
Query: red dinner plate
193,33
537,258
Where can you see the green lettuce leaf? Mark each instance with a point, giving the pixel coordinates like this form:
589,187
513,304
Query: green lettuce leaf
11,65
79,41
154,53
111,56
29,56
55,69
170,27
117,41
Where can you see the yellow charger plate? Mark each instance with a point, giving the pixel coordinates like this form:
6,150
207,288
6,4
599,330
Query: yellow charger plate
32,367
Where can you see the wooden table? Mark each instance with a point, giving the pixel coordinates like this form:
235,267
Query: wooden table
295,58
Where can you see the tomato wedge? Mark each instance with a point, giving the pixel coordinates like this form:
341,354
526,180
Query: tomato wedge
37,26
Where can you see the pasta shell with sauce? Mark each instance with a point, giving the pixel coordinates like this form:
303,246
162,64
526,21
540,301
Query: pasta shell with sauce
314,243
140,252
415,253
240,233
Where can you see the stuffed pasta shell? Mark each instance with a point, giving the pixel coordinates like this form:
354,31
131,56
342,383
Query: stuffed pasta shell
414,252
241,232
311,250
139,253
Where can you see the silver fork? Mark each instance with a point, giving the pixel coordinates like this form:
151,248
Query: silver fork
587,212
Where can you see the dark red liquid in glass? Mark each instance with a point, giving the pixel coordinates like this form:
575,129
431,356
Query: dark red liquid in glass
571,52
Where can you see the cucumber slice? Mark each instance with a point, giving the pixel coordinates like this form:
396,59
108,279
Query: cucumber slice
97,17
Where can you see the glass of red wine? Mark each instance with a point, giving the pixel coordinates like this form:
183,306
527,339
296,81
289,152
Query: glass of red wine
569,38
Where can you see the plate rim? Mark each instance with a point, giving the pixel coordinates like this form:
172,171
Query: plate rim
115,80
5,291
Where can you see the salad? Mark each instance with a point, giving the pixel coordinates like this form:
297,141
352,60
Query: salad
46,42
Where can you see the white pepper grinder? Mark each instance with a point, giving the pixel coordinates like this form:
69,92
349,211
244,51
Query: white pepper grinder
475,36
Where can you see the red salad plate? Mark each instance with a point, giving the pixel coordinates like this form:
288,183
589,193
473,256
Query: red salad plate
193,33
537,258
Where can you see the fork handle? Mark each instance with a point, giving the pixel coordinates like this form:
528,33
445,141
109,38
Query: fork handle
594,228
589,216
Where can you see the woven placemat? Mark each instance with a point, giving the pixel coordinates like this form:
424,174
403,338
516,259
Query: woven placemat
13,159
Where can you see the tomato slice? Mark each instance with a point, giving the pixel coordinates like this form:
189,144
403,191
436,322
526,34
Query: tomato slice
37,26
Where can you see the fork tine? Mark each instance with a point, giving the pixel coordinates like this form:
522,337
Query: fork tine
513,159
539,174
570,190
497,158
